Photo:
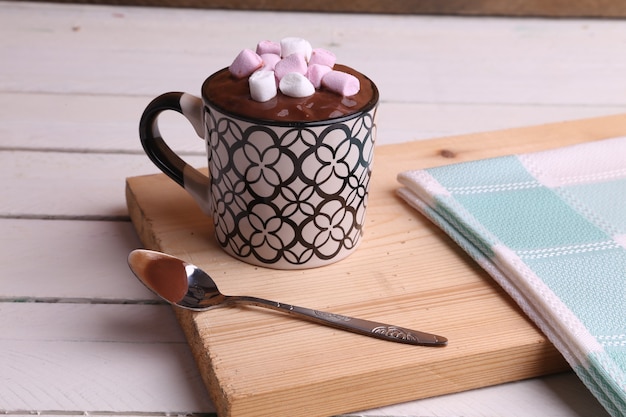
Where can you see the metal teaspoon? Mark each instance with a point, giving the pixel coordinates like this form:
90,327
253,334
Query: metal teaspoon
185,285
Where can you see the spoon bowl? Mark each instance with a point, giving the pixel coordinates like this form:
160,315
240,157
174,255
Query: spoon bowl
185,285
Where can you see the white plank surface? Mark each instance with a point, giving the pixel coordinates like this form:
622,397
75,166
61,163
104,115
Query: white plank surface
114,358
62,260
67,122
139,51
62,184
87,123
78,334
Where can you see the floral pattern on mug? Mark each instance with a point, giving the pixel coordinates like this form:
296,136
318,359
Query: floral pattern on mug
289,194
332,228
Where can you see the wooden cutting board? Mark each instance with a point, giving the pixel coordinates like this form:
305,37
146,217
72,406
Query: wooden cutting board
257,362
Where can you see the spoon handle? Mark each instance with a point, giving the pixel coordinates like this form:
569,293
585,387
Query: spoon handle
351,324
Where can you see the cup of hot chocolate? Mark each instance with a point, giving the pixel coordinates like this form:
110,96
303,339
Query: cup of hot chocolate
288,169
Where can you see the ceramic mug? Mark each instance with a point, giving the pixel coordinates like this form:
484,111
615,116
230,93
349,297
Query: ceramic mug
285,195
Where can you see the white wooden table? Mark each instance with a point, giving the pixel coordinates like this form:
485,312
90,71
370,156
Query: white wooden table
78,334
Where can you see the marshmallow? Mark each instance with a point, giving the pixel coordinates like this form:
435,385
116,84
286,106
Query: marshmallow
315,73
322,57
341,83
262,85
268,47
290,46
245,63
296,85
269,61
292,63
293,67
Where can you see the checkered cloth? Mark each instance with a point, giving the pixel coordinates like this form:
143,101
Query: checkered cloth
550,228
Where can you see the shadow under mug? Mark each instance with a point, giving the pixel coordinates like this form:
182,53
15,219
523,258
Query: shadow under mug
284,195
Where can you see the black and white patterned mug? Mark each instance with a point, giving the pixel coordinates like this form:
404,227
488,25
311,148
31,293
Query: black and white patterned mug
282,194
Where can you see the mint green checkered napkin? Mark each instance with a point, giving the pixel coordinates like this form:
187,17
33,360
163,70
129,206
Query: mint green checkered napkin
550,228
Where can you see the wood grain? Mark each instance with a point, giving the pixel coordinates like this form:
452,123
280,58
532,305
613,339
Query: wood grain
553,8
406,272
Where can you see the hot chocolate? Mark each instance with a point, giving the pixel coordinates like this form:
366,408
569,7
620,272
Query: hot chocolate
290,141
343,92
233,95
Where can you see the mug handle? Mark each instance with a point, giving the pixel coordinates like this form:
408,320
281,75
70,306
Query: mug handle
192,180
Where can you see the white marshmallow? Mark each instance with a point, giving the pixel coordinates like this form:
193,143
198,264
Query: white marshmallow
301,46
296,85
316,72
262,85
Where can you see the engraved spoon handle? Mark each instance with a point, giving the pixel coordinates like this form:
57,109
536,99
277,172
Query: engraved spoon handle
351,324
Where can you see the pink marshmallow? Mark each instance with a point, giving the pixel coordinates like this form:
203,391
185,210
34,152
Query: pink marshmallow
269,61
316,72
322,57
268,47
341,83
245,63
292,63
